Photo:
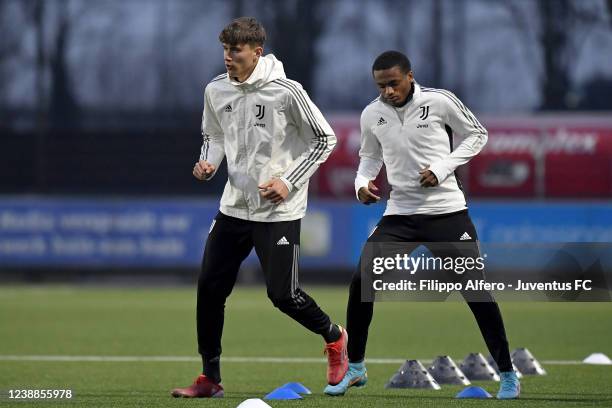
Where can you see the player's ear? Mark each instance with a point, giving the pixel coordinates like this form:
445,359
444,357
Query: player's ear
259,50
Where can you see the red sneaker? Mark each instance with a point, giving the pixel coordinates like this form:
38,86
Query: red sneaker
202,387
337,358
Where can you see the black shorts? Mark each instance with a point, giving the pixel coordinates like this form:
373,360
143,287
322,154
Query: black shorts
450,235
277,245
451,227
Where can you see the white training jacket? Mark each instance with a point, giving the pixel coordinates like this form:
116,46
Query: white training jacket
266,127
415,136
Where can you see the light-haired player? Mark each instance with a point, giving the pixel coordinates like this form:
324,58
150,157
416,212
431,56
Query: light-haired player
274,138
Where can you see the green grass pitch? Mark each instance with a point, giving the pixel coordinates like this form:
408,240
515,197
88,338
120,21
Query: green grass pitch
76,321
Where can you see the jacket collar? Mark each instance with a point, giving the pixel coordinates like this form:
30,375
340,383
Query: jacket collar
255,76
268,69
417,90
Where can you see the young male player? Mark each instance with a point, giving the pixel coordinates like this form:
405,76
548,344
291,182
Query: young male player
274,138
410,129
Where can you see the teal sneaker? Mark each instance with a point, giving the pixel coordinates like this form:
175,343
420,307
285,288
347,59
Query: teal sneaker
356,376
509,385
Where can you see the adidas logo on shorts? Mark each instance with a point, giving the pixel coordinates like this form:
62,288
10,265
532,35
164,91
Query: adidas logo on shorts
465,237
228,108
282,241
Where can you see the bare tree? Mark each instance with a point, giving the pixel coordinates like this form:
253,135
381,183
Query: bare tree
403,14
10,43
35,16
54,24
35,12
436,43
295,27
559,39
555,18
459,14
63,102
162,58
237,8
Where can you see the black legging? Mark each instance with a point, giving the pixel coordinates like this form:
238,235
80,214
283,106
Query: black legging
487,314
444,228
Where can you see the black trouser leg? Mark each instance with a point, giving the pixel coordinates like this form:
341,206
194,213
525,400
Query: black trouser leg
358,318
448,229
491,326
359,313
277,245
228,244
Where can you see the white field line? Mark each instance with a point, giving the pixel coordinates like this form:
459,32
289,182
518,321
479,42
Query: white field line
181,359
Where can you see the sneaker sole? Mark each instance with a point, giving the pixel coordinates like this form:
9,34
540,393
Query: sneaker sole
218,394
510,398
335,395
513,398
358,383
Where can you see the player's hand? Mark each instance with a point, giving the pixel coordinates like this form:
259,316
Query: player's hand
428,179
203,170
274,190
366,196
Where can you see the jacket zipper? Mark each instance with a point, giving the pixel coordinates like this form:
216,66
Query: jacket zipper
246,159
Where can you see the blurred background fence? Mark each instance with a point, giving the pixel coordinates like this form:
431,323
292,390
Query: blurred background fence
100,107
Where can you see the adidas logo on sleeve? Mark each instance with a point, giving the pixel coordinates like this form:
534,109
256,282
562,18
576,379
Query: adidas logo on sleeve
228,108
381,121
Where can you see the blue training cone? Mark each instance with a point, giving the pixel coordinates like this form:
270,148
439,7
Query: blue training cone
283,393
298,388
473,392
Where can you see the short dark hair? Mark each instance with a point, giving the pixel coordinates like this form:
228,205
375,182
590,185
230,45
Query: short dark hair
390,59
243,30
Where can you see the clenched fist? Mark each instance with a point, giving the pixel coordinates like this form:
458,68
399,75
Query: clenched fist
203,170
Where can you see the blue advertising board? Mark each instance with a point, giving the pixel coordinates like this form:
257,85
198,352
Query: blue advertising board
40,232
515,222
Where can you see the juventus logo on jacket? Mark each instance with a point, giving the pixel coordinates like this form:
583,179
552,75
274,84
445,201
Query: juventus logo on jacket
261,111
424,112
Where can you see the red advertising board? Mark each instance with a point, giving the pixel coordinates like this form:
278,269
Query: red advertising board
531,156
335,178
